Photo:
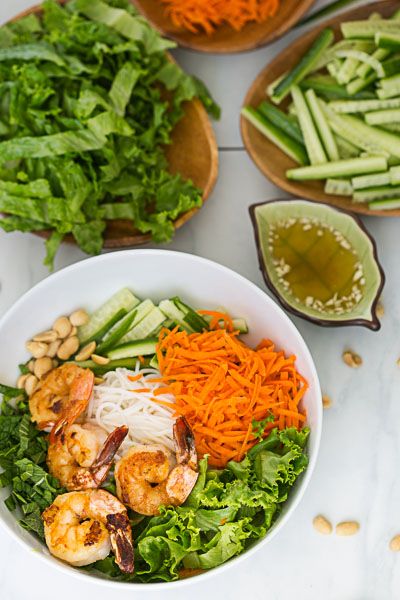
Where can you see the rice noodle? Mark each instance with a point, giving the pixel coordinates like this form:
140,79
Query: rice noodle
118,401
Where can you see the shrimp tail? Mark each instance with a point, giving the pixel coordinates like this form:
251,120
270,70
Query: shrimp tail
185,444
81,390
121,541
103,462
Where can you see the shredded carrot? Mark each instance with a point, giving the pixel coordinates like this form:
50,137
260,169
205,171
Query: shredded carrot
135,377
221,386
206,15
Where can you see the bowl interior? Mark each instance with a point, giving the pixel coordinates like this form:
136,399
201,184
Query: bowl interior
270,213
156,274
225,39
271,161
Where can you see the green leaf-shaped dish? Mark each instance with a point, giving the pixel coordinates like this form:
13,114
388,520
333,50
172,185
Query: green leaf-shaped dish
271,217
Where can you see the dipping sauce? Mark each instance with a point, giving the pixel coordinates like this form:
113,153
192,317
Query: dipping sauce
316,264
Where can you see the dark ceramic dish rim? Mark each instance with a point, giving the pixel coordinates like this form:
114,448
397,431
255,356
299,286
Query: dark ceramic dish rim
373,324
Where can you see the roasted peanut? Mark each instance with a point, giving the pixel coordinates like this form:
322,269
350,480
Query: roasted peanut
352,359
53,347
79,318
322,525
63,327
326,401
395,543
46,336
347,528
68,348
100,360
31,384
37,349
21,381
42,366
86,351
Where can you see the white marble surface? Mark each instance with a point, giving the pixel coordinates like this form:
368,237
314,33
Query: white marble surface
357,472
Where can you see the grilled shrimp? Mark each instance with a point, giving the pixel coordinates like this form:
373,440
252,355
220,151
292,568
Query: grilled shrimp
52,396
83,527
80,455
146,479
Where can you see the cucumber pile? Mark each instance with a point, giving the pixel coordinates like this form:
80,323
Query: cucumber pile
125,328
343,122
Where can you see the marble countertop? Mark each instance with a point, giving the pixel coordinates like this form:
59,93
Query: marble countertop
355,477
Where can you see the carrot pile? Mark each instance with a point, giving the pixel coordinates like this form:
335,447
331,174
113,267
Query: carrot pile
207,15
222,387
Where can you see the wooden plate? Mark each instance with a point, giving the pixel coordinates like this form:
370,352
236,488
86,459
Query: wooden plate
268,158
226,40
193,153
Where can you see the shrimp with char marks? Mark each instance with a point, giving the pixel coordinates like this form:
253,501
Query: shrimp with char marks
80,455
52,397
83,527
146,479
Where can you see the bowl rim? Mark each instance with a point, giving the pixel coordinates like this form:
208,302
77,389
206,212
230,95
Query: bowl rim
373,324
317,430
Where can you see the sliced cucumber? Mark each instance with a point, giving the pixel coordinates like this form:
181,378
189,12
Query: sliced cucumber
154,362
385,204
304,66
130,321
390,41
287,144
192,318
338,187
326,86
383,117
132,349
321,122
357,57
125,363
359,84
313,144
368,29
340,168
368,181
376,193
365,69
146,327
346,148
175,314
280,119
103,319
363,106
240,325
395,175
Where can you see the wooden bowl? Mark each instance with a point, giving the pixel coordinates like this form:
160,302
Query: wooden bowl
268,158
225,40
193,153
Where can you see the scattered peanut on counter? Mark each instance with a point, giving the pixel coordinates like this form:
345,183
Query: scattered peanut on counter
347,528
380,310
322,525
394,544
351,359
60,342
326,401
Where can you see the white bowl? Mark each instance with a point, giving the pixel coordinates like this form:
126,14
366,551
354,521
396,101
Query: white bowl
156,274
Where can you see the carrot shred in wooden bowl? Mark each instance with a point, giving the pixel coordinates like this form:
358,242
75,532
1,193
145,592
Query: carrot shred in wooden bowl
222,387
207,15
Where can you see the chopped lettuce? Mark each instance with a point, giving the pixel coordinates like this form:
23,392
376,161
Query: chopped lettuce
89,100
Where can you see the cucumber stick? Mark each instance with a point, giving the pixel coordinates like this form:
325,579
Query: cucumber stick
368,181
127,323
368,29
145,327
376,193
133,349
346,148
391,204
277,136
360,57
390,41
304,66
105,317
363,106
365,69
323,128
125,363
338,187
280,119
340,168
383,117
313,144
